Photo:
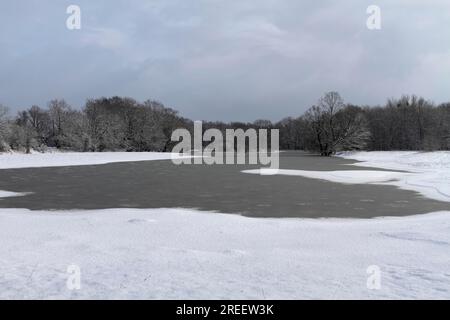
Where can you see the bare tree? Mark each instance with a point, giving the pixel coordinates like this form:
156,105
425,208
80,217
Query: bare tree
3,128
3,118
24,133
442,127
40,121
335,126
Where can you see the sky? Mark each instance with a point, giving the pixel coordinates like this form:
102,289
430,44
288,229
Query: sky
224,59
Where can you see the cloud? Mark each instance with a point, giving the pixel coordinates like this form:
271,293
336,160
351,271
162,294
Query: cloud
230,60
104,37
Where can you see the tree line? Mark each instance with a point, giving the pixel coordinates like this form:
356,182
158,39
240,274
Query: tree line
120,123
407,123
103,124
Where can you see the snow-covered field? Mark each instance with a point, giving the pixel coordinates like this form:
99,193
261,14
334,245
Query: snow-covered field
431,170
61,159
428,172
178,253
175,253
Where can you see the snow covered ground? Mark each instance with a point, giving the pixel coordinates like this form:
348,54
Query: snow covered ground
428,172
431,169
178,253
61,159
6,194
339,176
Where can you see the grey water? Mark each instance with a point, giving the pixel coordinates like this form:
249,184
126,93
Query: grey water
220,188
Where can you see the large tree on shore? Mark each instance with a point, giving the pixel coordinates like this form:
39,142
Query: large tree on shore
335,126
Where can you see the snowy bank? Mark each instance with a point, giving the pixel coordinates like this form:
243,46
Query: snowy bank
428,172
62,159
8,194
431,170
339,176
176,253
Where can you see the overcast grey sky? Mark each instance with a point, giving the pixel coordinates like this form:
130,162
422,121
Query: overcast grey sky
227,59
